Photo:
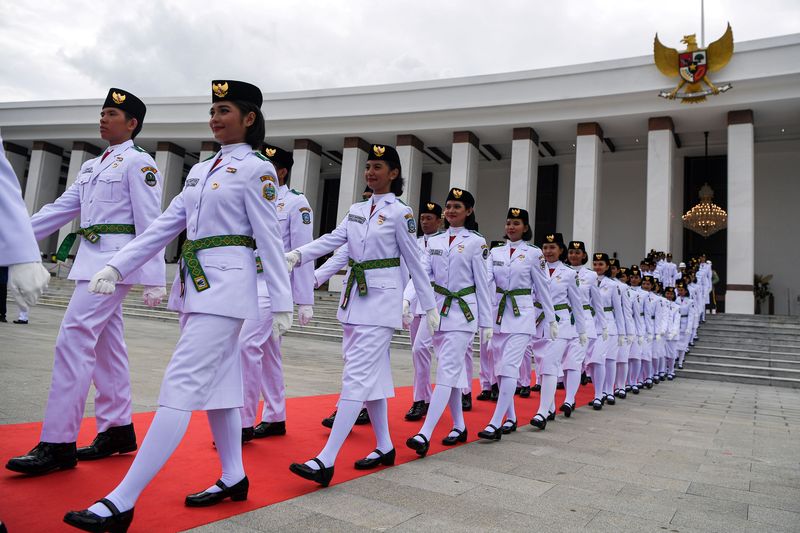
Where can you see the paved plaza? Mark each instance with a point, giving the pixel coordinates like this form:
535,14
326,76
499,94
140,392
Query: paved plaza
689,455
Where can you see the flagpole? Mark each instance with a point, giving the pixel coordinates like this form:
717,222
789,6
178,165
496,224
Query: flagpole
702,24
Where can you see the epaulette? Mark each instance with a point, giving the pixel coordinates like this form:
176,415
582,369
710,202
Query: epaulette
298,193
402,202
532,245
437,233
261,156
209,157
363,200
476,233
139,149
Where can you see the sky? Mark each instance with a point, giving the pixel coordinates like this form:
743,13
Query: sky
67,49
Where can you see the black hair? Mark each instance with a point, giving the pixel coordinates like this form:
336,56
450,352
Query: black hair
396,187
138,128
257,131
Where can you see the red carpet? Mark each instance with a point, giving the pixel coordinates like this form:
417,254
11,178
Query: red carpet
39,503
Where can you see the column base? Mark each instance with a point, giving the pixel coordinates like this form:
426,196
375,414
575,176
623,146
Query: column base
740,302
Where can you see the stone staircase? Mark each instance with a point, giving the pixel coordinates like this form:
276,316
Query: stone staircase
756,349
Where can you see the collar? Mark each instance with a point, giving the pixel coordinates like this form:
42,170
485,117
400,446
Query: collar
119,147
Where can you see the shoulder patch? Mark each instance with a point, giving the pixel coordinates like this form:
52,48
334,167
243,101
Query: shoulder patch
139,149
267,177
485,252
412,226
260,156
268,191
408,215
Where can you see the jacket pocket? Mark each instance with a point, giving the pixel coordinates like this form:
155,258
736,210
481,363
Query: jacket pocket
222,262
108,188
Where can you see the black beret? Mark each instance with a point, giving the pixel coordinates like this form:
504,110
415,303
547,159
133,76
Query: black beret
280,157
600,256
635,270
648,277
461,195
614,262
430,208
127,102
384,152
236,90
521,214
577,245
555,238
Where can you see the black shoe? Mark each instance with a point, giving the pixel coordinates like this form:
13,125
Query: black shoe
466,402
560,385
495,392
45,457
566,408
88,521
328,422
551,416
3,319
536,388
635,389
248,434
417,411
596,404
323,475
510,428
628,388
622,394
656,380
237,493
484,396
452,441
517,391
269,429
584,378
363,418
589,379
20,322
680,366
497,434
420,447
618,393
120,439
383,459
610,400
670,377
525,392
539,421
648,383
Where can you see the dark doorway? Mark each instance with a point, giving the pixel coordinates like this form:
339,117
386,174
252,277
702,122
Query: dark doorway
697,172
330,204
546,202
425,186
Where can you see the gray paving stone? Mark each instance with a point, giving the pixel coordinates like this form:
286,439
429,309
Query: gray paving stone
775,517
644,479
764,500
346,507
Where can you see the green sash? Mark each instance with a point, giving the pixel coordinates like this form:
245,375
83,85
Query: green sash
92,234
459,296
561,307
588,307
190,249
510,294
357,276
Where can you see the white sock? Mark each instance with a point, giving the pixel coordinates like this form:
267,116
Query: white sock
165,433
504,400
622,375
681,355
573,381
546,398
379,419
226,428
456,413
598,371
342,425
439,400
611,374
633,373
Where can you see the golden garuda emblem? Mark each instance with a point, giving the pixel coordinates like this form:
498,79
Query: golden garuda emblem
693,66
118,97
270,152
378,150
515,212
220,89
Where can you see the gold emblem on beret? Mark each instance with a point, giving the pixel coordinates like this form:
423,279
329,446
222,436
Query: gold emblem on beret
270,152
220,89
598,256
118,97
576,245
378,150
457,193
431,206
515,212
551,238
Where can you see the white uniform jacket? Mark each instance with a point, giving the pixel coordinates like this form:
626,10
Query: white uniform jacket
297,229
687,311
387,233
565,289
237,197
594,318
637,295
612,305
17,243
125,188
627,308
524,269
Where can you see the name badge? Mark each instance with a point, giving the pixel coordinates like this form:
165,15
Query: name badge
434,251
87,170
498,263
356,218
191,182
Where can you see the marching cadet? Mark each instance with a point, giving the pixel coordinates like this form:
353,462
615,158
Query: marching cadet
615,324
116,196
662,329
673,325
430,219
261,351
20,251
637,346
227,205
653,319
623,354
566,348
687,312
457,270
378,233
517,269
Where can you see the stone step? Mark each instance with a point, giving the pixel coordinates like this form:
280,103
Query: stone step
784,332
735,377
744,352
711,357
752,319
748,342
746,367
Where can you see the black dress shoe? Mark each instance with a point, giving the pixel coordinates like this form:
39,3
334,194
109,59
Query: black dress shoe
328,422
517,391
539,421
536,388
670,377
383,459
610,400
525,392
248,434
484,396
20,322
635,389
628,388
120,439
417,411
566,408
323,475
680,366
466,402
551,416
622,394
237,493
648,383
510,428
363,418
584,378
2,319
88,521
495,392
45,457
420,447
269,429
452,441
497,434
597,404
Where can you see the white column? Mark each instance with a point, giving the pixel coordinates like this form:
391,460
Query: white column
409,148
741,213
305,172
464,163
42,184
208,149
588,153
81,152
660,186
351,184
169,161
524,171
18,157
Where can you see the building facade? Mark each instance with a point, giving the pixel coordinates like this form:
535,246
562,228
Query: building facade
590,150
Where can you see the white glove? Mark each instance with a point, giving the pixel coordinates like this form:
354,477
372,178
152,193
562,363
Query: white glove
281,323
650,338
689,331
620,340
486,334
105,281
583,339
641,339
152,296
658,336
631,339
673,335
605,334
28,281
408,318
292,258
432,319
553,330
304,314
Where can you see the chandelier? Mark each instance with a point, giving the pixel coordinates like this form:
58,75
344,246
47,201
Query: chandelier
706,218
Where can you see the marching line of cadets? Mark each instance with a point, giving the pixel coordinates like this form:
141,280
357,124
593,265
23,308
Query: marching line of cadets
580,317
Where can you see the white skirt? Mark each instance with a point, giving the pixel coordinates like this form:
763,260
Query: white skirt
574,355
450,347
547,356
508,350
367,373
